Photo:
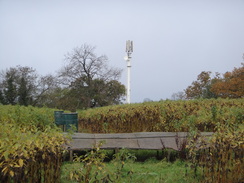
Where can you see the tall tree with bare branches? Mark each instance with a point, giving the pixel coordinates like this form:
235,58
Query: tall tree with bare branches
88,77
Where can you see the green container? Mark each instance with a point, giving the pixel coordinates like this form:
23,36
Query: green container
70,119
58,116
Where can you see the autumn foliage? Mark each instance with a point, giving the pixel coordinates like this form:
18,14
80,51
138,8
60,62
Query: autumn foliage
229,85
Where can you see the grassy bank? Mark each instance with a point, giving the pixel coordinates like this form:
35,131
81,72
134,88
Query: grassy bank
151,171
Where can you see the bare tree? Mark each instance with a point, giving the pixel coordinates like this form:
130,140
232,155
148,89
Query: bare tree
178,96
45,85
90,80
83,63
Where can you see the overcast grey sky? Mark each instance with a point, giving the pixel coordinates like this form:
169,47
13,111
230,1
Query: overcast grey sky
174,40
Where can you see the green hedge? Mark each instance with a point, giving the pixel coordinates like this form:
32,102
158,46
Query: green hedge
31,146
167,116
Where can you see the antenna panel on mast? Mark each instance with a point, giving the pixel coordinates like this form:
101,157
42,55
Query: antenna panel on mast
129,46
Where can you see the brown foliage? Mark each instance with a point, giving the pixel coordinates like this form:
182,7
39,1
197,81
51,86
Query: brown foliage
221,156
200,88
231,85
167,116
120,119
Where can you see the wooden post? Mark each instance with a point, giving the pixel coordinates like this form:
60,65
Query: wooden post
70,155
116,150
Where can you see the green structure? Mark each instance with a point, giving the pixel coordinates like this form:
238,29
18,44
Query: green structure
67,120
59,118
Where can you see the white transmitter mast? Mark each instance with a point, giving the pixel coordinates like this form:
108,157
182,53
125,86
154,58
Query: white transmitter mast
128,50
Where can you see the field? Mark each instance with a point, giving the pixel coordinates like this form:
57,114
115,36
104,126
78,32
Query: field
31,146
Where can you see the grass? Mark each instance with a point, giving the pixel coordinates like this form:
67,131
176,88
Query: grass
149,171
